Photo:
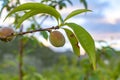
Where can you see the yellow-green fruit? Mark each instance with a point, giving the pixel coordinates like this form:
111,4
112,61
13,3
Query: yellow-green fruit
6,34
57,39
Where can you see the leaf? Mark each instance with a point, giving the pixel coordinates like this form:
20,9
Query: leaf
44,34
33,26
76,12
42,8
84,3
73,40
85,40
26,16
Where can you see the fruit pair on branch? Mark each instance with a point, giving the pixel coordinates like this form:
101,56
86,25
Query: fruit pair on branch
56,38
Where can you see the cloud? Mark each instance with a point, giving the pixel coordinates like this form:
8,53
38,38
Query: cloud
98,21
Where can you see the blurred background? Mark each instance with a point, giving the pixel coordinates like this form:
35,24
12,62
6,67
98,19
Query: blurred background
42,61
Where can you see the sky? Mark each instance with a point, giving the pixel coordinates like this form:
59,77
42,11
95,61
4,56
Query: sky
104,19
103,23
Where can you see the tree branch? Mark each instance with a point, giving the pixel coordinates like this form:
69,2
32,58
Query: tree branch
21,49
46,29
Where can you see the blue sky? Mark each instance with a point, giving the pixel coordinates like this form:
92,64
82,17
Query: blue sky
106,20
105,16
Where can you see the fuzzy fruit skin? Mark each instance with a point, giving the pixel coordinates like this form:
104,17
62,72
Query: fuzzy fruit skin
57,39
5,34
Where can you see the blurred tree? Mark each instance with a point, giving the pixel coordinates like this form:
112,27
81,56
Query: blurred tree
41,63
40,56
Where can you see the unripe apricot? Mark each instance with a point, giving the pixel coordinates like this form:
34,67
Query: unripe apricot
57,39
6,34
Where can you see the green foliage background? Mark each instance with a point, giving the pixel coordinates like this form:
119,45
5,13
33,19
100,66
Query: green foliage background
41,63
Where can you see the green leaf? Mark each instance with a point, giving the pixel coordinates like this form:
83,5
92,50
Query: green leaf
73,40
85,40
33,26
84,3
42,8
76,12
44,34
26,16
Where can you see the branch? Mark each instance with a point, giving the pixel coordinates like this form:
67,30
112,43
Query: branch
21,49
46,29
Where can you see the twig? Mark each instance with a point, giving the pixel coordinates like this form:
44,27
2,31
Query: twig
21,60
21,49
46,29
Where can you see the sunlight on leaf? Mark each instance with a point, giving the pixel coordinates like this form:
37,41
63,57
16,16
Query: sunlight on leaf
42,8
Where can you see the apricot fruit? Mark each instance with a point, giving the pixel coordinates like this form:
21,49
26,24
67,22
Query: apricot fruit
57,39
6,34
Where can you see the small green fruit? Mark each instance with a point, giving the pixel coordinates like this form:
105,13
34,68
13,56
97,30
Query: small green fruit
6,34
57,39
